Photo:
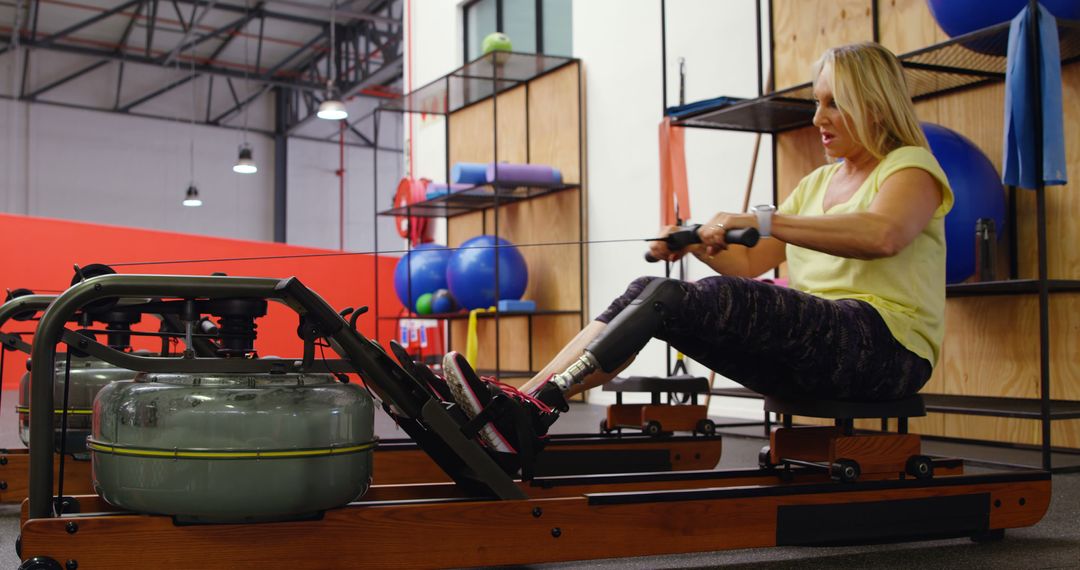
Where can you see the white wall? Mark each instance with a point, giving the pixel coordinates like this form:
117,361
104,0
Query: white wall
101,167
619,43
315,195
113,169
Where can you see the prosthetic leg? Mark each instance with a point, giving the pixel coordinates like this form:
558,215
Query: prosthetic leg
626,334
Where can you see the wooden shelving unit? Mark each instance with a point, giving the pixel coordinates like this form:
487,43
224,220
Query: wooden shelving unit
524,108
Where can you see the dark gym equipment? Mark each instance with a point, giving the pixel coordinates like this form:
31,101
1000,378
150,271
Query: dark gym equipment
396,461
543,520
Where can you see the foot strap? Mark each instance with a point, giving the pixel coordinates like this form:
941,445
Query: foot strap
494,410
551,395
526,449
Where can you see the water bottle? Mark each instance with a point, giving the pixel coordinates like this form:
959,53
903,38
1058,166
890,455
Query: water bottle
985,249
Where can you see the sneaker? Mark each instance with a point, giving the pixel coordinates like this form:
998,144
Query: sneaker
435,384
474,394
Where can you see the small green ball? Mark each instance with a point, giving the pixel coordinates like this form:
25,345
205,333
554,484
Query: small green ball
423,304
497,41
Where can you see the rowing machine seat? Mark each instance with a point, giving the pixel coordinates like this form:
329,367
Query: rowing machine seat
909,407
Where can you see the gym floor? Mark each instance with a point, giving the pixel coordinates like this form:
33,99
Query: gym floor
1053,543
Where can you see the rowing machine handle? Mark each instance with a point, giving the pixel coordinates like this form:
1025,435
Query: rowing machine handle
689,236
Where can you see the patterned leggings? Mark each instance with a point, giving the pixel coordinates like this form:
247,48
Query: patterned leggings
780,341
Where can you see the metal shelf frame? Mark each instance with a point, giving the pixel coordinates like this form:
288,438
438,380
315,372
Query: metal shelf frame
964,62
961,63
474,199
476,82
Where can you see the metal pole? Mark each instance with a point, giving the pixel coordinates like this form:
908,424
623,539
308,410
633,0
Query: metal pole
760,55
663,56
281,165
663,113
581,203
341,185
1035,63
495,188
875,21
375,216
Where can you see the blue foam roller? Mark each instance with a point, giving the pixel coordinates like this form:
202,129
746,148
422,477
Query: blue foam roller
511,305
436,189
468,173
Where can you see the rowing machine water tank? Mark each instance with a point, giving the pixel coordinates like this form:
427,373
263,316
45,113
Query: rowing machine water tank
88,376
232,447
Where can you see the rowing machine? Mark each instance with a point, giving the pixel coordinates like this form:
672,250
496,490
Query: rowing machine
484,517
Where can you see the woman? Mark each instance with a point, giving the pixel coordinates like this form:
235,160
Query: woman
864,239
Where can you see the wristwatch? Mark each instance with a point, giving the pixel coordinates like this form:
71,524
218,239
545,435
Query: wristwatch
764,215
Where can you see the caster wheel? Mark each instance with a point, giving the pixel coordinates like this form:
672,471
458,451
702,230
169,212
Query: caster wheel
26,315
844,470
764,458
920,467
40,563
604,427
652,428
18,546
89,272
706,427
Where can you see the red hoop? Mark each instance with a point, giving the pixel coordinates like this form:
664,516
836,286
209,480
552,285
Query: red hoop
414,228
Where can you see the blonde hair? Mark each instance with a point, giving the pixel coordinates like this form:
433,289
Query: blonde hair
869,87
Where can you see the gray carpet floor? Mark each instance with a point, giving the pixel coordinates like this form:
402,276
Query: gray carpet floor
1053,543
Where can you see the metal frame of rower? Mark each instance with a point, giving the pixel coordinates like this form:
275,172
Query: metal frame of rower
397,461
484,517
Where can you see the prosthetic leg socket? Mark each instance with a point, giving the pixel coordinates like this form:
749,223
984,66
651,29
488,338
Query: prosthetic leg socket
626,334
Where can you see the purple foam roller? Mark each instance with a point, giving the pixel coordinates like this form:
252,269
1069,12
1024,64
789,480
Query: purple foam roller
511,174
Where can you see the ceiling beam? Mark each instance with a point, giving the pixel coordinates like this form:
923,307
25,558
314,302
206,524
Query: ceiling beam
200,68
47,40
70,77
238,9
338,12
180,46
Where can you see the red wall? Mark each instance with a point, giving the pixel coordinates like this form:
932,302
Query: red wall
39,254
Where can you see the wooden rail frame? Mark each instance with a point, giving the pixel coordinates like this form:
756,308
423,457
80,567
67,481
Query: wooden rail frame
428,526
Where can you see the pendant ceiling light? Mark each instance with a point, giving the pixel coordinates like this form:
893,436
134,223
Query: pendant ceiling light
191,199
332,108
245,163
191,196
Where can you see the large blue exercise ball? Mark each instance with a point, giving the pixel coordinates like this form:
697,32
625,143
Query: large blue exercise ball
958,17
978,193
422,270
471,272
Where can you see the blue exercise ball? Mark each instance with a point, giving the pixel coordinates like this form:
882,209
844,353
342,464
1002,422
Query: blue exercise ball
471,272
422,270
977,191
443,302
958,17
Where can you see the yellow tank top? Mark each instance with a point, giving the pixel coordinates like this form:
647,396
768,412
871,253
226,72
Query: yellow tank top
907,289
